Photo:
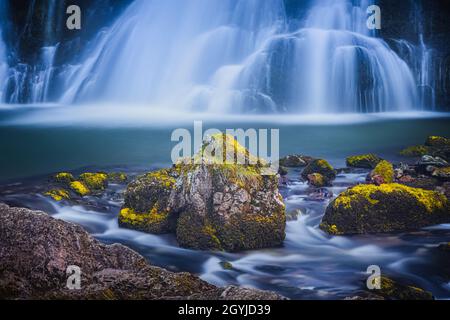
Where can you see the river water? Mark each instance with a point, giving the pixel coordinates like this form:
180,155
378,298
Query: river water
310,264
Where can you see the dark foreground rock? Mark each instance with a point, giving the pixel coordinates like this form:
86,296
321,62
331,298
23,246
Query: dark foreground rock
36,250
393,290
386,208
210,202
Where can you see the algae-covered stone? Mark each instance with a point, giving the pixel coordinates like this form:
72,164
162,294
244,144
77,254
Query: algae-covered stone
117,177
393,290
80,188
415,151
321,167
64,177
437,141
228,206
384,170
215,201
58,194
386,208
146,205
94,181
365,161
442,173
317,180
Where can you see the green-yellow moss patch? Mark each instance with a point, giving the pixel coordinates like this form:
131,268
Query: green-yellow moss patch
80,188
95,181
436,141
386,170
415,151
368,161
431,200
64,177
58,194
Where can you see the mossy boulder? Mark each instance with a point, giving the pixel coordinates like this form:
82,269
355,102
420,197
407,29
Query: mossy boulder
58,194
383,173
228,206
437,141
80,188
322,167
94,181
64,177
442,173
365,161
317,180
386,208
117,177
415,151
394,290
146,205
216,203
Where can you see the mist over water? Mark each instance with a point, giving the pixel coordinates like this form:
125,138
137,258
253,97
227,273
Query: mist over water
233,56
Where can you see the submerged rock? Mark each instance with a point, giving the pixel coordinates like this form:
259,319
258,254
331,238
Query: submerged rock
215,203
386,208
295,161
365,161
321,167
36,251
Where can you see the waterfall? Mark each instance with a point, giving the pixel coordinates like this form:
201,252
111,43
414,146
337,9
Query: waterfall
3,67
232,56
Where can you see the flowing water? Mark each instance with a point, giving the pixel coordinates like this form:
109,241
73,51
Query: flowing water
309,265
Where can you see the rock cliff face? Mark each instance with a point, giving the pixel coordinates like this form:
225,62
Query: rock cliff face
408,20
36,251
210,202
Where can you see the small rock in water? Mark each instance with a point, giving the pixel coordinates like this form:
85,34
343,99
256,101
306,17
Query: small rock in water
365,161
295,161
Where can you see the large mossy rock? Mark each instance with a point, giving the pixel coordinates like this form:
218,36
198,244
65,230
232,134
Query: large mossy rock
146,206
216,203
386,208
322,167
364,161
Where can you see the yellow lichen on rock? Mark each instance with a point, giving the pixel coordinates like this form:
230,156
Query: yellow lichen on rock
94,181
368,161
384,169
58,194
415,151
431,200
437,141
80,188
64,177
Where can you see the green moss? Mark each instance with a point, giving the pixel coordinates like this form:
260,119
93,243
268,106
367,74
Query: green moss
80,188
162,178
58,194
436,141
94,181
117,177
415,151
390,289
367,161
317,180
321,167
64,177
330,229
131,217
386,170
430,200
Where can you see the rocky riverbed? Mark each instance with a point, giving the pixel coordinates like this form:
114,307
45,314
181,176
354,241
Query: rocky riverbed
369,197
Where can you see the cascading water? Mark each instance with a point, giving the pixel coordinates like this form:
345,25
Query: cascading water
3,67
235,56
